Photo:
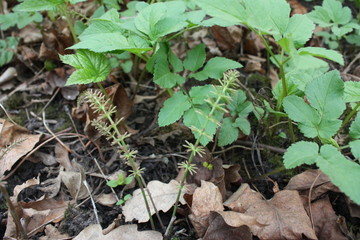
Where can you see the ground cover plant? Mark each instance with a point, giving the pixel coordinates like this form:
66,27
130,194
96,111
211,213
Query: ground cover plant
223,95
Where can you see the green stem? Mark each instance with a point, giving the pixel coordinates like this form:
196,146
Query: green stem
351,114
63,10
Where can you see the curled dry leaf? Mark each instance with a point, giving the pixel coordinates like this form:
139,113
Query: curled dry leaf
163,194
325,220
22,142
106,199
125,232
220,230
303,182
284,216
232,174
206,198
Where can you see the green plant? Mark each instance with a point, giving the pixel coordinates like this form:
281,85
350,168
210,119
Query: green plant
7,49
19,19
119,182
337,19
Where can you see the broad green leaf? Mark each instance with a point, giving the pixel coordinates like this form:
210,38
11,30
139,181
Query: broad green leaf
195,17
301,112
243,124
355,128
228,133
90,67
355,148
328,128
175,62
352,91
342,172
299,29
19,19
193,118
76,1
238,105
320,16
159,19
301,153
323,53
301,78
38,5
173,109
199,94
113,183
325,94
195,58
336,12
164,77
215,68
231,11
7,49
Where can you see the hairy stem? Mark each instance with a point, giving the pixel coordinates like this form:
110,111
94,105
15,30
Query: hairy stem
348,117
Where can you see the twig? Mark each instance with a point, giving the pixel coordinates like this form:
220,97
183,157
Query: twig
309,200
92,202
346,70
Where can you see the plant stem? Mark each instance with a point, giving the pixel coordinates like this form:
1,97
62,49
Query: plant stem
348,117
63,10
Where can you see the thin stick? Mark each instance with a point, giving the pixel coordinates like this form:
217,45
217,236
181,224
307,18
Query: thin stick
92,201
309,200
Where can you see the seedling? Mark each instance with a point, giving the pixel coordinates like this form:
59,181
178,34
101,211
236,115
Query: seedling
120,181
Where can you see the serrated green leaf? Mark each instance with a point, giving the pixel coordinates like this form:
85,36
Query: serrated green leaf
232,11
228,133
243,124
38,5
199,94
238,105
159,19
90,67
323,53
164,77
342,172
173,109
328,127
352,91
19,19
301,153
195,17
301,112
195,58
336,12
175,62
299,29
355,128
325,94
193,118
355,148
7,49
215,68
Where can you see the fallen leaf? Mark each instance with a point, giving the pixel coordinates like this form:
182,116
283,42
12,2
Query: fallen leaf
297,8
125,232
220,230
354,209
52,233
163,194
325,220
284,215
106,199
231,174
206,198
303,182
74,183
22,142
62,157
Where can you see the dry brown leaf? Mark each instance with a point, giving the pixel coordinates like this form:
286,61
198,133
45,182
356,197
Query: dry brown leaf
106,199
283,215
10,133
220,230
206,198
303,182
232,174
354,209
125,232
52,233
237,219
325,220
163,194
297,8
74,183
62,157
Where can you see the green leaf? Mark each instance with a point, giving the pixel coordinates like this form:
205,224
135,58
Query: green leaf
195,58
355,128
239,105
192,117
231,11
352,91
323,53
336,12
228,133
175,62
19,19
159,19
90,67
301,112
328,128
199,94
325,94
243,124
342,172
299,29
355,148
163,77
113,183
128,180
173,109
38,5
301,153
215,68
7,49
